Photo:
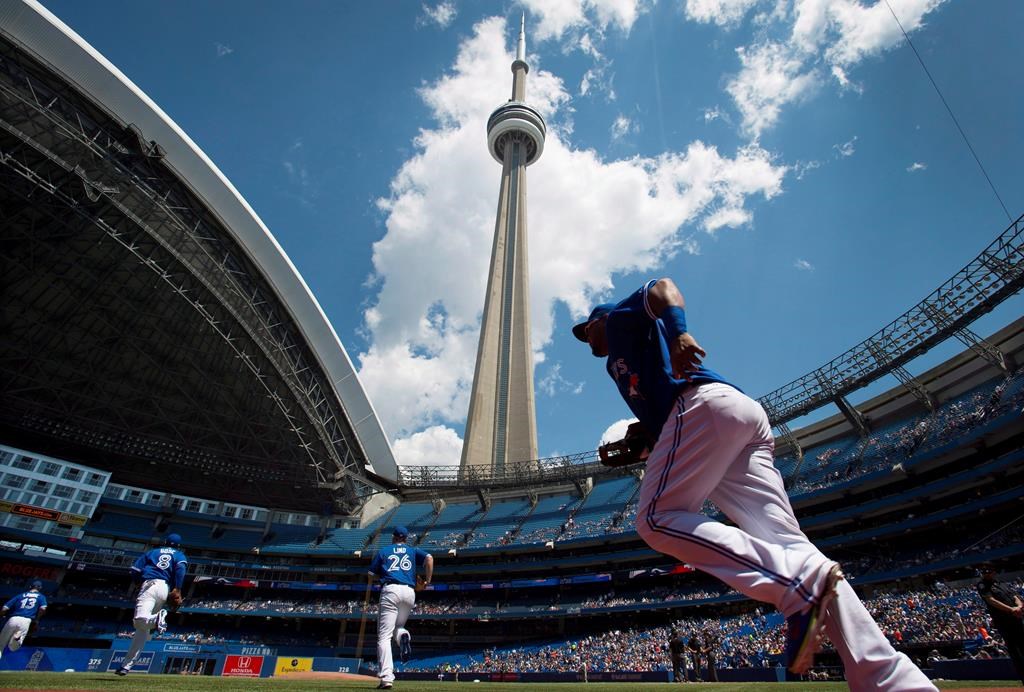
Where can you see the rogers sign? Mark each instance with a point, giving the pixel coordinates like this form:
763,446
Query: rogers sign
243,666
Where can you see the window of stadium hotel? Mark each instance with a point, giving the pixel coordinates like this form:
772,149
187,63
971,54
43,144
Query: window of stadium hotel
26,524
94,479
193,506
63,491
23,462
246,513
86,496
13,480
38,486
134,496
48,468
154,499
72,474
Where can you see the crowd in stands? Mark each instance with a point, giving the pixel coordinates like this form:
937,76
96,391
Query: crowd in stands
896,446
939,615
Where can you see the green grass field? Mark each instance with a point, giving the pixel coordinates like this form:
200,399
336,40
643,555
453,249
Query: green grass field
154,683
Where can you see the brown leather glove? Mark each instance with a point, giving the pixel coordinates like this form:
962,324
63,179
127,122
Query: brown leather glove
421,583
174,600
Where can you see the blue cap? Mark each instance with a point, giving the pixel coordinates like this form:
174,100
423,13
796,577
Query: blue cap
36,584
580,330
400,531
173,539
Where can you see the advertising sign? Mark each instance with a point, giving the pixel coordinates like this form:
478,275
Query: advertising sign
243,666
142,663
287,664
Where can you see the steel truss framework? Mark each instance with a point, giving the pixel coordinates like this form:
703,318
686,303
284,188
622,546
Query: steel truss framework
133,324
571,468
987,280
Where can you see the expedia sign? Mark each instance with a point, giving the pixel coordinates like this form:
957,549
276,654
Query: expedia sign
288,664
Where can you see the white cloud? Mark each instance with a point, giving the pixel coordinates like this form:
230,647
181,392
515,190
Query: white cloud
720,12
223,50
802,168
803,265
597,79
798,44
772,76
436,446
557,17
846,148
442,14
861,31
554,382
623,126
716,113
917,166
302,186
616,431
431,264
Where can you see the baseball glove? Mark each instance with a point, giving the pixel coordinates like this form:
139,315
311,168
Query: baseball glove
174,600
632,449
421,583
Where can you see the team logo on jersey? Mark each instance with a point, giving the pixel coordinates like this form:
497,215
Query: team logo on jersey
628,382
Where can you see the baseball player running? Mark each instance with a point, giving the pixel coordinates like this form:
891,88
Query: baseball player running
25,609
395,566
713,441
159,569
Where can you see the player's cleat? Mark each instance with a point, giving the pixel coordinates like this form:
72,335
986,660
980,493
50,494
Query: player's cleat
384,685
121,671
405,647
804,631
161,621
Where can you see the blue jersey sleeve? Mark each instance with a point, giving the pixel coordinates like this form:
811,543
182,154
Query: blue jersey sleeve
180,566
377,564
137,567
42,602
11,603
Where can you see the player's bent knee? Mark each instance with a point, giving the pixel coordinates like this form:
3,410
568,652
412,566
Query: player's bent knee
141,624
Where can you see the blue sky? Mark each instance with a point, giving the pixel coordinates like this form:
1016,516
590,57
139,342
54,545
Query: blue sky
787,162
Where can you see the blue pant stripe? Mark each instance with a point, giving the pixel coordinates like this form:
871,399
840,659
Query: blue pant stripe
658,528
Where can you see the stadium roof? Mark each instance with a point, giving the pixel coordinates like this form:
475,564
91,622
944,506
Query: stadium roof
152,325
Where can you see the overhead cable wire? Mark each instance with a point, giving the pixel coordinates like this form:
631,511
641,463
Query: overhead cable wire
950,111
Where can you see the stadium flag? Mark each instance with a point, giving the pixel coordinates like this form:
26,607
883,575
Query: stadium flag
288,664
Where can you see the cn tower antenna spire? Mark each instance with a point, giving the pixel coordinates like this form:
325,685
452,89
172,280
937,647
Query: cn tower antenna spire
521,52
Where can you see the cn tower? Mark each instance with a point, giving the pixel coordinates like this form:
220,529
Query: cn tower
501,427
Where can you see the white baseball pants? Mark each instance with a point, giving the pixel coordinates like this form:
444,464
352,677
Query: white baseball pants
717,443
396,603
151,599
14,632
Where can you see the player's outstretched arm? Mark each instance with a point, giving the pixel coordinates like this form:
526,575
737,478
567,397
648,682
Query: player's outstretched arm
666,301
428,568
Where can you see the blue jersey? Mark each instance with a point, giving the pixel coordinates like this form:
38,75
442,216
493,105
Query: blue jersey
26,605
638,361
396,564
167,563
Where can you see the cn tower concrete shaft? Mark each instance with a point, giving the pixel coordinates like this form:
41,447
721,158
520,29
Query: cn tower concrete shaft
501,427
